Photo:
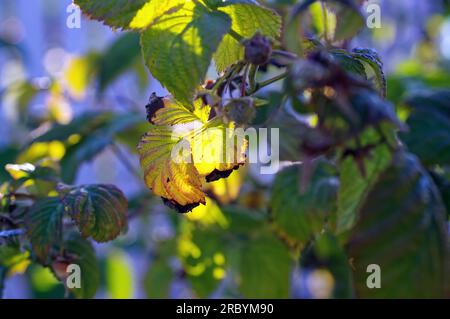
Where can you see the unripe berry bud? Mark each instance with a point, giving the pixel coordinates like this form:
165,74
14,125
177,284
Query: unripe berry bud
257,50
241,111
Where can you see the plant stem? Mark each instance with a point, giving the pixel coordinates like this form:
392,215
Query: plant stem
244,80
11,233
263,84
252,77
20,196
325,21
124,159
285,54
6,220
239,38
226,76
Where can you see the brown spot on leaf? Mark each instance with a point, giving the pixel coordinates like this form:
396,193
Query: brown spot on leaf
155,103
179,208
216,174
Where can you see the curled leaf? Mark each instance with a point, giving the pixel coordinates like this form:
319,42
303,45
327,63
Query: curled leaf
100,211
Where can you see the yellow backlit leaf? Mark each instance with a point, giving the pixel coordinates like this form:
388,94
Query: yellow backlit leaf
210,151
174,113
152,11
209,214
184,149
226,190
168,175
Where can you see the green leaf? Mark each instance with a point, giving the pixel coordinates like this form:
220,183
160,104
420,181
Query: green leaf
265,269
115,13
429,126
354,186
220,3
202,254
326,253
8,155
83,124
13,260
43,225
100,211
332,19
371,110
178,48
12,255
93,132
83,138
158,280
291,128
442,181
302,214
245,222
349,63
125,49
349,19
373,66
247,19
83,254
402,228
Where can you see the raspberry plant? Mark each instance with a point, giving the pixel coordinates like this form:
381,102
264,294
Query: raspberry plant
369,189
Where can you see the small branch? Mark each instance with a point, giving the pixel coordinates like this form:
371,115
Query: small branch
244,80
6,220
125,161
20,196
11,233
252,77
263,84
125,100
230,79
325,21
226,76
239,38
285,54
